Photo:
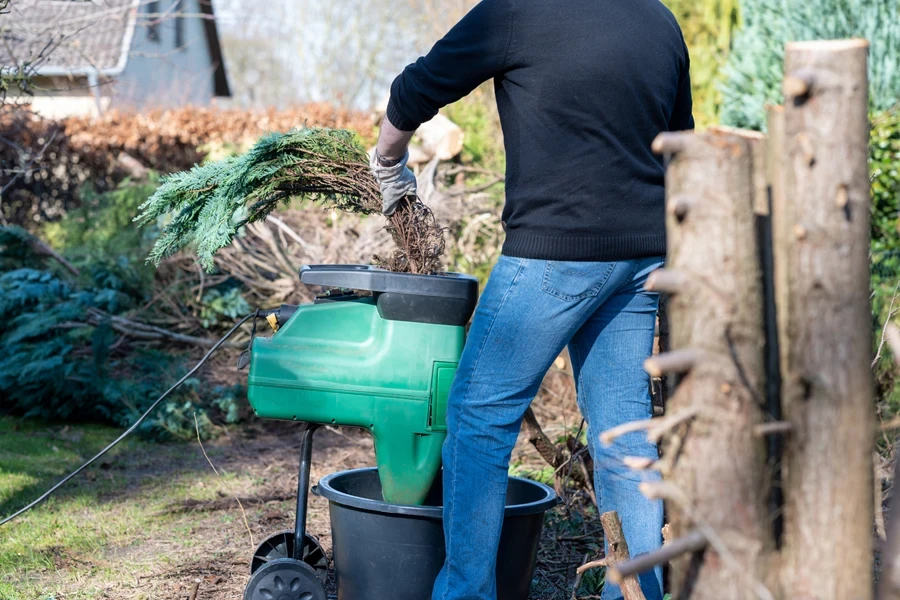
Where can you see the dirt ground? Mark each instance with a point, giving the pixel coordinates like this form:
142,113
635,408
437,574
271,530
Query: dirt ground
193,542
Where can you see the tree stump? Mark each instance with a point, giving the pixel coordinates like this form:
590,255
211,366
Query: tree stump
713,465
828,379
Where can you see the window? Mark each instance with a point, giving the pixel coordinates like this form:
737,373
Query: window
178,9
153,20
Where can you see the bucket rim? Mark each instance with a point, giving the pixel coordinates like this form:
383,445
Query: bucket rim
326,490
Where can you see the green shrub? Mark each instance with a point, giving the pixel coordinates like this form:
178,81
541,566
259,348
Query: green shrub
708,27
885,174
756,64
54,365
60,359
479,235
102,225
477,115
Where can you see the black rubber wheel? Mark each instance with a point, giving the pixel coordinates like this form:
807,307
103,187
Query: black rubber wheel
285,579
281,545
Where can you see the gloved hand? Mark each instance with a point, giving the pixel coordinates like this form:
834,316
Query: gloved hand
397,182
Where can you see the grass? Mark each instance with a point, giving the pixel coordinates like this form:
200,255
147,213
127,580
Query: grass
152,519
100,525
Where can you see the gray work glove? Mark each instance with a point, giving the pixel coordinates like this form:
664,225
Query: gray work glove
397,182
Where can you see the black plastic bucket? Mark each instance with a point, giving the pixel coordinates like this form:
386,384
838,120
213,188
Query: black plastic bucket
391,552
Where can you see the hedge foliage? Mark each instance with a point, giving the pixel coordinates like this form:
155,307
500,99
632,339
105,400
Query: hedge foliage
885,173
755,66
57,158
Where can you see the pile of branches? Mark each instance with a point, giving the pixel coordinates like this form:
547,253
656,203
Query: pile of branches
213,202
46,161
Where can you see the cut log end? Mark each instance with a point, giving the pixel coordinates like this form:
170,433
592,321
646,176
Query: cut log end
827,45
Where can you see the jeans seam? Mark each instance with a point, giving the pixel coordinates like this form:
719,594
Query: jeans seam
466,399
637,266
579,384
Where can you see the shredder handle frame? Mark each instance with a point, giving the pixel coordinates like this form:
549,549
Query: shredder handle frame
306,442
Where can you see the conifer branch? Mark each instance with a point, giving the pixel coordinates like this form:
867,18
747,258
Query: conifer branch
212,202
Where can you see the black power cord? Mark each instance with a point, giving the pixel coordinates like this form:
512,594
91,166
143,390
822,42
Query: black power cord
137,423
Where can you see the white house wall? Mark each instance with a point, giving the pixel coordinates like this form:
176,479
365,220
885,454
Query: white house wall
159,74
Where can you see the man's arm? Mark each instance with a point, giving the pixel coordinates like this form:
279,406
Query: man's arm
475,50
392,144
683,114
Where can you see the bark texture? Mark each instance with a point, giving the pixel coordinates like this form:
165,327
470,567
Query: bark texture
889,585
828,380
618,553
713,465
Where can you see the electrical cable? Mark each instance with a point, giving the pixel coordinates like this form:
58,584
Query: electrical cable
254,315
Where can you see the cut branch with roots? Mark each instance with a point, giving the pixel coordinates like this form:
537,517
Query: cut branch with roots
212,202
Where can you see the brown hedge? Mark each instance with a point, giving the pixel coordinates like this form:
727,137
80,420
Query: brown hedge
49,161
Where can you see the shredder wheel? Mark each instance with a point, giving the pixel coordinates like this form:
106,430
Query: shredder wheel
281,545
285,579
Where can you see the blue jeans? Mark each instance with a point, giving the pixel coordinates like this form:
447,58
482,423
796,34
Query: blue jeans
529,311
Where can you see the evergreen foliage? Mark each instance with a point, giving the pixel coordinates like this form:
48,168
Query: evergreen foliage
54,365
756,63
62,362
16,249
102,225
213,201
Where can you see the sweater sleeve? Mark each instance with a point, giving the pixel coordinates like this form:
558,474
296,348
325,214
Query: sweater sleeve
474,51
682,115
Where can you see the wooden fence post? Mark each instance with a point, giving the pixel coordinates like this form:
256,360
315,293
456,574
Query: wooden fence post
828,380
713,464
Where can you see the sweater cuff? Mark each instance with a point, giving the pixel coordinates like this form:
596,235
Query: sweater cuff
397,119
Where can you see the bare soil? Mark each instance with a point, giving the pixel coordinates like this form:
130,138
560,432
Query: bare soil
202,547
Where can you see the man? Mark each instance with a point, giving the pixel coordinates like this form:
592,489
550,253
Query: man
583,87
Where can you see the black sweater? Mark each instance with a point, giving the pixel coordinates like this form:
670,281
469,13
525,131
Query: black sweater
583,87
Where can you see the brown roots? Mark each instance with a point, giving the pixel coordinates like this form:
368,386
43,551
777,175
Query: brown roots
419,239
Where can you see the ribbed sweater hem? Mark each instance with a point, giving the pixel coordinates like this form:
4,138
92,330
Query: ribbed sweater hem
397,119
520,244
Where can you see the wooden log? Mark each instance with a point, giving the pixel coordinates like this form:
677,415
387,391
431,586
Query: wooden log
441,137
828,384
617,552
717,463
759,150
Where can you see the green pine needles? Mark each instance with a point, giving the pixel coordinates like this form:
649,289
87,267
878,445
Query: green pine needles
212,202
756,64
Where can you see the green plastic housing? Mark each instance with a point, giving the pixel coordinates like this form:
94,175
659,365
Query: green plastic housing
341,363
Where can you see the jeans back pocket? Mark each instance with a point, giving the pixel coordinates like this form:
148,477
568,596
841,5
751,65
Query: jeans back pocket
572,281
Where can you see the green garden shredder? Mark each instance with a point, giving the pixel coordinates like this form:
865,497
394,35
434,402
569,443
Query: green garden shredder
377,350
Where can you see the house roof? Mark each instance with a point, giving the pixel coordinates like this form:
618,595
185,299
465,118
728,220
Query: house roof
71,37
